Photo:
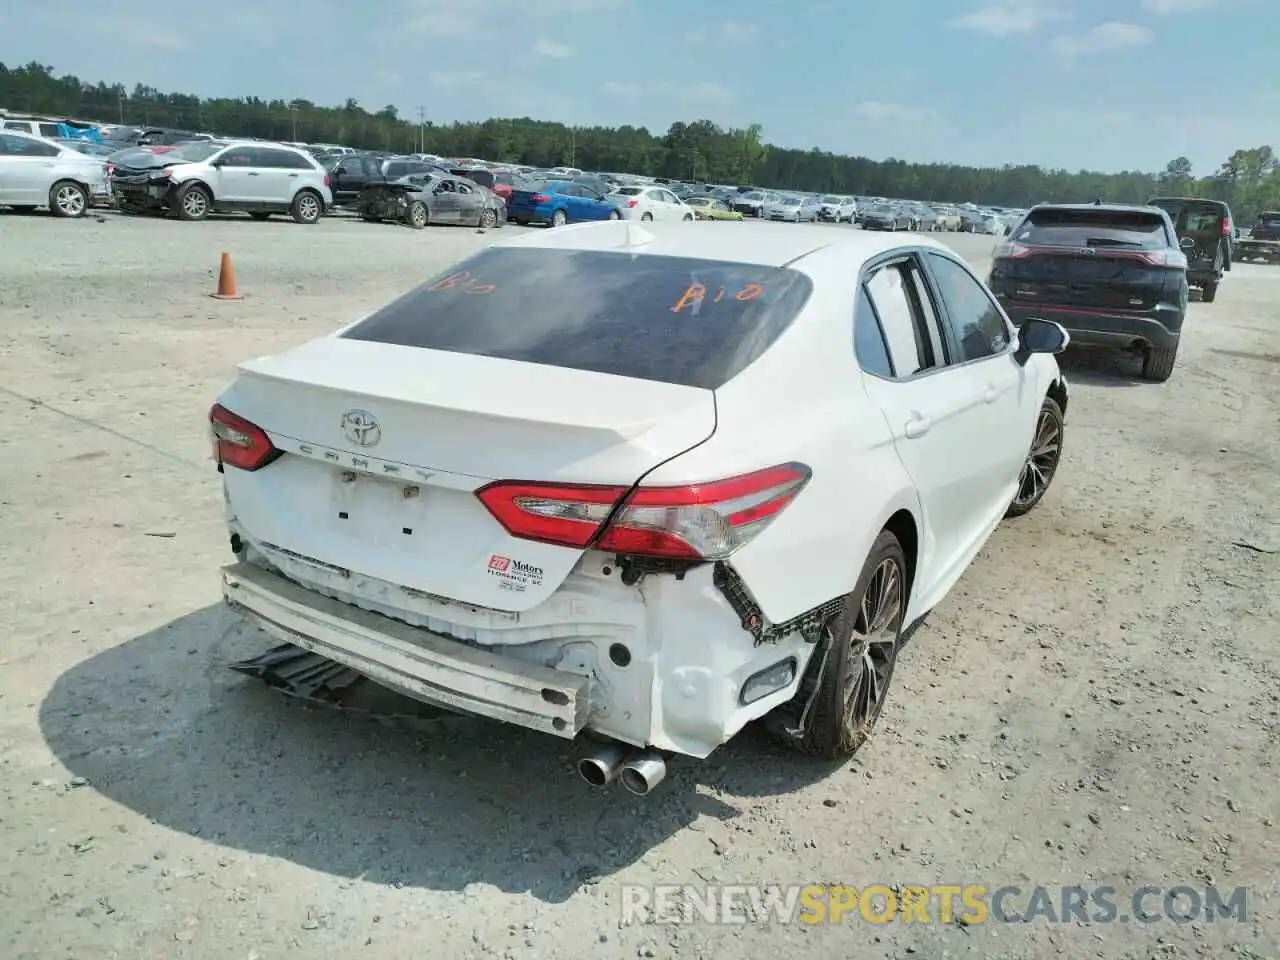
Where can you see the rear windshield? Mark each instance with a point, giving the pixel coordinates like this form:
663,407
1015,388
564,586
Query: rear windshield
1093,228
692,322
630,191
1269,219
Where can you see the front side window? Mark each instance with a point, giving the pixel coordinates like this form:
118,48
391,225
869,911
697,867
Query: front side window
976,323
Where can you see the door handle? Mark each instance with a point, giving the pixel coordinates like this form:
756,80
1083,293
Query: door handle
917,426
990,394
252,173
293,174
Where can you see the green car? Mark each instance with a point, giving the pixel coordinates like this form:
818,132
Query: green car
710,208
1205,234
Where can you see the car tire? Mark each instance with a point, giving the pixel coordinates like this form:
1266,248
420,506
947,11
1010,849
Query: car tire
68,199
647,217
260,215
614,215
417,216
194,202
559,218
1157,365
307,207
1208,293
857,662
1043,457
488,219
688,218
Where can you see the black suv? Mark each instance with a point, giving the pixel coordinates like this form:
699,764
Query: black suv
1112,275
1205,232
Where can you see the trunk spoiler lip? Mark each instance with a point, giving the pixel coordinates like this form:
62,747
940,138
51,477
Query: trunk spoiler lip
610,417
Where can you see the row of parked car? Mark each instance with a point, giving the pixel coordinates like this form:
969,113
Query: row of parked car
193,175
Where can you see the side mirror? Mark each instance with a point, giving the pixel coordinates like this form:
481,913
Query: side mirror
1041,336
1186,243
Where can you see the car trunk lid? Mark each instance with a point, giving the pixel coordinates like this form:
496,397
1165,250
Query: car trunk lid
385,447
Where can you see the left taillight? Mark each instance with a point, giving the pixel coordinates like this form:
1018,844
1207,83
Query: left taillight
704,521
239,443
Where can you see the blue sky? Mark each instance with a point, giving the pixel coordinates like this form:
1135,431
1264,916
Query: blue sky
1101,84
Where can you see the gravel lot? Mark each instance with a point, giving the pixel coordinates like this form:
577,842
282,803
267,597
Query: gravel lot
1097,702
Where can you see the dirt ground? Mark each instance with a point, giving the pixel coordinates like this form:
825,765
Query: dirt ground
1098,702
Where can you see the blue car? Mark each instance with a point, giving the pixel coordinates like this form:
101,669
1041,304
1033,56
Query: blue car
557,202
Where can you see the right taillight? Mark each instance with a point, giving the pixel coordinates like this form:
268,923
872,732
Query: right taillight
239,443
540,198
703,521
1226,226
632,203
1011,250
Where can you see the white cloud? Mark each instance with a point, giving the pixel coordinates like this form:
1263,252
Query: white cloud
734,32
1167,7
543,47
1104,38
452,80
706,92
1006,18
880,111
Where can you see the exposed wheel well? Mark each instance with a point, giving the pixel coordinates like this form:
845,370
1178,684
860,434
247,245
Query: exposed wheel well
311,190
1058,391
903,526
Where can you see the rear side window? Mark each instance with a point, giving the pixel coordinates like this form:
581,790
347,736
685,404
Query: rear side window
868,339
691,322
1088,227
1193,216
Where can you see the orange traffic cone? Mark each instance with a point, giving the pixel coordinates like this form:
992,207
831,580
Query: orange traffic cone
226,281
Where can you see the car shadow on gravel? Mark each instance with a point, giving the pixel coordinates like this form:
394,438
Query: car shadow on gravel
160,725
1101,368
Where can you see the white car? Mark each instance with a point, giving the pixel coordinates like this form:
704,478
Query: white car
651,203
36,172
712,486
839,209
205,177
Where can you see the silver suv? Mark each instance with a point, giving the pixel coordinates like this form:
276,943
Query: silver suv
198,179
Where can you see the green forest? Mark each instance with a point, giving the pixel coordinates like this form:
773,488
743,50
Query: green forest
697,149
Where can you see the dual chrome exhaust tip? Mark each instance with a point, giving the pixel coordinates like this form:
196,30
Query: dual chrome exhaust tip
639,772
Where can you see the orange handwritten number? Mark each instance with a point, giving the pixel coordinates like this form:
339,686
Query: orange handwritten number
450,281
752,291
690,298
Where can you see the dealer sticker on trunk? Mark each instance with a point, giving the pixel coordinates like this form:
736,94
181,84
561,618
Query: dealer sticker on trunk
514,574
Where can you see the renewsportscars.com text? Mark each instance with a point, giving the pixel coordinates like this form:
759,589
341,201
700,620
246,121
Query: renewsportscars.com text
967,904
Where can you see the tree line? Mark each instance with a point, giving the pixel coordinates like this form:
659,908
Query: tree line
697,150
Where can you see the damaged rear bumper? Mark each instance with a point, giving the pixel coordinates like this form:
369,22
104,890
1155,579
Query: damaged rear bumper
413,661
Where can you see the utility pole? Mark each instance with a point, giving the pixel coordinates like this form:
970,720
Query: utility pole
293,112
120,103
422,134
573,146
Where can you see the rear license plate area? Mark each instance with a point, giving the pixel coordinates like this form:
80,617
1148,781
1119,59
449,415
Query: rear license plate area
374,510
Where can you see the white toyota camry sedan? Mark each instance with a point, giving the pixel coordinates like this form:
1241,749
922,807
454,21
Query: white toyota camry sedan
646,484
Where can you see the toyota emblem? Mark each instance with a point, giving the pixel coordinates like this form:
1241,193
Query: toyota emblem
361,427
